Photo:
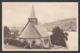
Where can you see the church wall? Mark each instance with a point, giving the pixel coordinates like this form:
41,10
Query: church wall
46,42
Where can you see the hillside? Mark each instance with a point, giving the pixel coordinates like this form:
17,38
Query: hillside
66,25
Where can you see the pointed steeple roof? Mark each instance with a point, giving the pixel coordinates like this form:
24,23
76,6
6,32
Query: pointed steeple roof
32,15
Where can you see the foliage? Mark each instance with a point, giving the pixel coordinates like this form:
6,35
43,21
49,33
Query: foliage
59,37
14,32
6,31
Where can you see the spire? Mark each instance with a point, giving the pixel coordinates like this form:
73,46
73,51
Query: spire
32,17
32,13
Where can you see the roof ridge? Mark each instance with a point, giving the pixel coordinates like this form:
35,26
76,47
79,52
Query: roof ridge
24,28
36,29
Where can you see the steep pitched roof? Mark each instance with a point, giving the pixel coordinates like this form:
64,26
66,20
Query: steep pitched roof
42,30
34,31
29,32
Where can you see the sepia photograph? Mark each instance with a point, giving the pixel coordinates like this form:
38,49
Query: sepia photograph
40,26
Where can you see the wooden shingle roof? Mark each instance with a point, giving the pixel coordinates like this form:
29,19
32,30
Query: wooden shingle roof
34,31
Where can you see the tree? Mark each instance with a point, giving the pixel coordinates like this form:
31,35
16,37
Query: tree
6,34
6,31
59,37
15,32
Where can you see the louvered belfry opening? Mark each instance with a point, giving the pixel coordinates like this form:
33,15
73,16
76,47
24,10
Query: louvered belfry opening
33,20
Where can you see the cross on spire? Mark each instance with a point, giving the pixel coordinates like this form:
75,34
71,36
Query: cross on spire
32,13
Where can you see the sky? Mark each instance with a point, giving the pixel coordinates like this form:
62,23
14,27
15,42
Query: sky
17,13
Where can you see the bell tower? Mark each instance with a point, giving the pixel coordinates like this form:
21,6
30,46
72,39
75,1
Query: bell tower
32,17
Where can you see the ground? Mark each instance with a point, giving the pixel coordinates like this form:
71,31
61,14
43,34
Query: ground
11,47
72,43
